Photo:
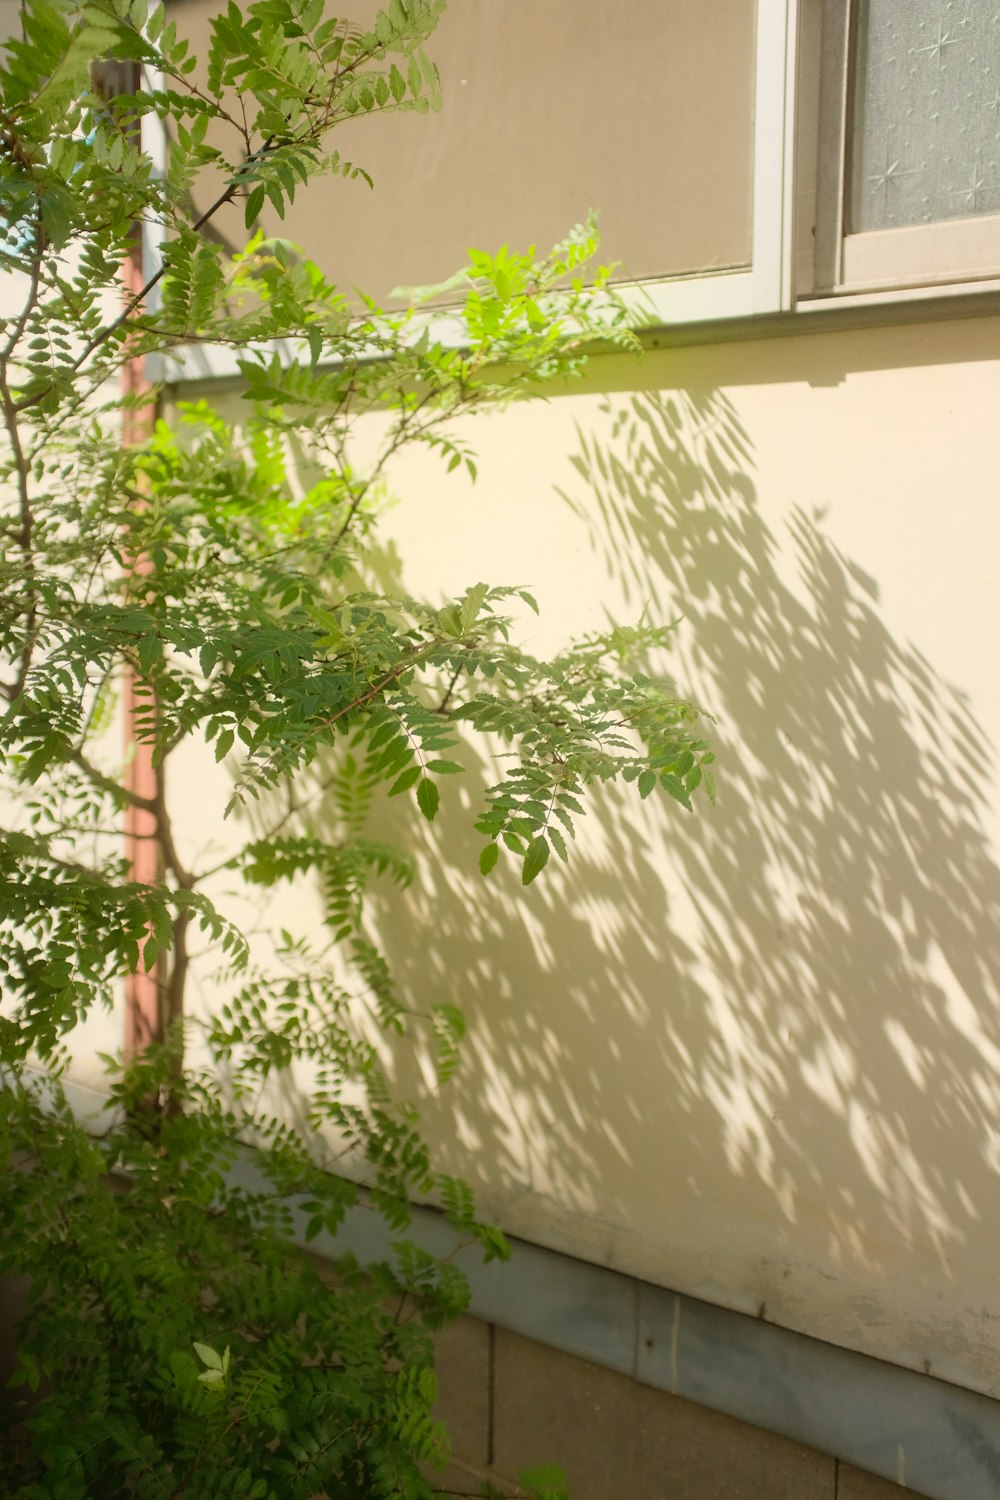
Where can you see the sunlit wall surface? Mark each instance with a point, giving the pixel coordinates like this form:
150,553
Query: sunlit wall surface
751,1054
754,1054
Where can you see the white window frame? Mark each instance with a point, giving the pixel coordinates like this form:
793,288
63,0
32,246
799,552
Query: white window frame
765,286
963,254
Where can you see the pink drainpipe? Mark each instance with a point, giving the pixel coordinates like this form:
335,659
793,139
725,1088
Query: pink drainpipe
143,1023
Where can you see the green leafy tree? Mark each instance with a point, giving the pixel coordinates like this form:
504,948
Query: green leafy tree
177,1343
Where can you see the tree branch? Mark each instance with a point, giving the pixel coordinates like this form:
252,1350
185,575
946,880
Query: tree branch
25,529
111,786
136,301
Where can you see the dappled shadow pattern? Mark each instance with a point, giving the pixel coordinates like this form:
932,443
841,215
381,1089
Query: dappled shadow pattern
782,1014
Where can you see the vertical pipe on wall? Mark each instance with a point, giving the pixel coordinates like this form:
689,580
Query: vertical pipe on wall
143,1018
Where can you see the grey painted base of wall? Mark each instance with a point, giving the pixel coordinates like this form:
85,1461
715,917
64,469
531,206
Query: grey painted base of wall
510,1402
932,1438
913,1430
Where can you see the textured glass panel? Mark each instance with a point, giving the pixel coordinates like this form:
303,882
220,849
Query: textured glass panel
926,140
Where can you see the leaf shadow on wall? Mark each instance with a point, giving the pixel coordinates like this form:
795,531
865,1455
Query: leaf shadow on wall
791,1000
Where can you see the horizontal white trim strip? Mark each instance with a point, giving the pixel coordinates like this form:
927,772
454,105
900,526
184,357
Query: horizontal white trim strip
898,296
692,299
685,300
954,250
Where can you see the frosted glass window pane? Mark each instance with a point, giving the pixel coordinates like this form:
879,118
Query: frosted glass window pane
926,139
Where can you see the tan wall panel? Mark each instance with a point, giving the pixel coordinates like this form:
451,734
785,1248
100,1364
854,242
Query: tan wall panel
641,110
616,1438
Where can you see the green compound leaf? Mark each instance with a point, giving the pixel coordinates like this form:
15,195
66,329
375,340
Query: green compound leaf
428,798
535,860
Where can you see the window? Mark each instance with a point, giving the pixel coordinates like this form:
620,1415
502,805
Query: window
674,119
550,108
752,157
907,116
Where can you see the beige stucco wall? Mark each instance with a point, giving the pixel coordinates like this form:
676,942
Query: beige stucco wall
103,1029
753,1054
